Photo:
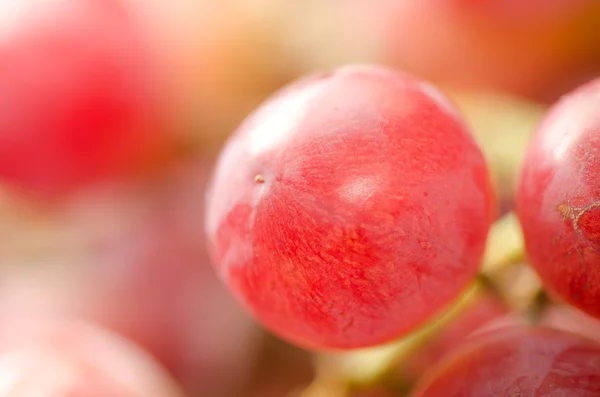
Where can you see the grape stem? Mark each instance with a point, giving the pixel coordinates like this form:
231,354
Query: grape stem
540,302
505,245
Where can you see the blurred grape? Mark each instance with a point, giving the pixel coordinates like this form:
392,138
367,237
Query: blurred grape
539,10
61,358
132,258
567,318
539,55
82,93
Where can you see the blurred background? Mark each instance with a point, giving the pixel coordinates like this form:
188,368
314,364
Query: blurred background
125,250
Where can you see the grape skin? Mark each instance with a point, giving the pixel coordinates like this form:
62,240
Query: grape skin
349,208
533,362
558,200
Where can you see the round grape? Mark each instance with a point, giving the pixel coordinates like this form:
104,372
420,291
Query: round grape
349,208
567,318
79,92
64,358
127,256
558,199
518,362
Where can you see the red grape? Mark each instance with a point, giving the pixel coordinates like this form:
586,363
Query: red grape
62,358
518,362
349,208
538,54
79,92
558,200
131,258
569,319
532,9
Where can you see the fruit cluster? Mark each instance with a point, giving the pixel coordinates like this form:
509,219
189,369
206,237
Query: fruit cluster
396,217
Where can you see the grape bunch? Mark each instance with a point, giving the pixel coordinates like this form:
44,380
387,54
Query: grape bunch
409,205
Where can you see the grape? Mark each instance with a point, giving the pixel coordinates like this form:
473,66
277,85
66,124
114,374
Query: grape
518,362
58,357
349,208
129,257
538,54
558,199
532,9
79,92
569,319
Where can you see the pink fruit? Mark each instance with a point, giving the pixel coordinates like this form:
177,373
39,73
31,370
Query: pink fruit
517,47
531,9
349,208
518,362
132,258
558,200
61,358
569,319
79,92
